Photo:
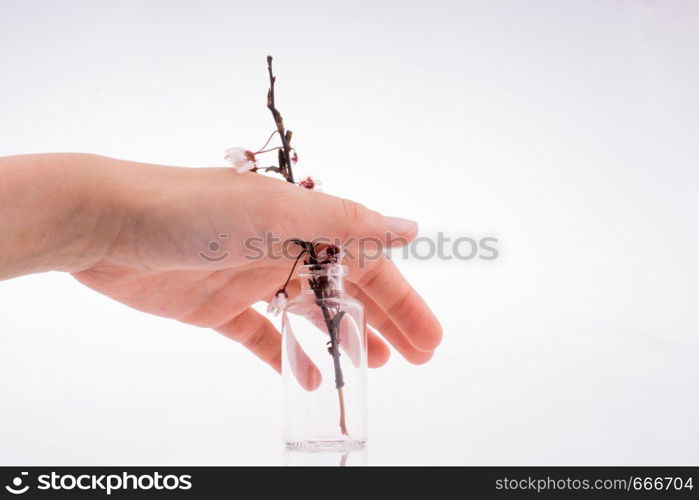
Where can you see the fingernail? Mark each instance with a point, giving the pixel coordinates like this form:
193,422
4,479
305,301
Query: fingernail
400,226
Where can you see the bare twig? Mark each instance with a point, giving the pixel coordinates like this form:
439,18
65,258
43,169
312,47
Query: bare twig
343,425
320,285
284,135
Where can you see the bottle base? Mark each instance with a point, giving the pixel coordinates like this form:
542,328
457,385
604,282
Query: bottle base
312,445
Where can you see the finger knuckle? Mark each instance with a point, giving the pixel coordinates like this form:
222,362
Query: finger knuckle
371,275
355,213
254,339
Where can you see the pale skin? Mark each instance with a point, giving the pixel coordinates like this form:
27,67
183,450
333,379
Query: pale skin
135,231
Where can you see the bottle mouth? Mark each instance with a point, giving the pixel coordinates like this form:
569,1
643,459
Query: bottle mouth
322,270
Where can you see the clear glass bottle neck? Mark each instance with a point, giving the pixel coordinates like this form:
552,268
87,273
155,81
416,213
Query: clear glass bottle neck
327,280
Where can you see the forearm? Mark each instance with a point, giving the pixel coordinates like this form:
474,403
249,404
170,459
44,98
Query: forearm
55,213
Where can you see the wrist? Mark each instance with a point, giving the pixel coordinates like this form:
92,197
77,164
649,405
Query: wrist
59,213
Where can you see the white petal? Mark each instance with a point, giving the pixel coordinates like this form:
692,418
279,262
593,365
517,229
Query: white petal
236,157
244,166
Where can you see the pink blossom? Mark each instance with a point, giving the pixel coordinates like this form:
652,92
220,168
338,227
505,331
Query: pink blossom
308,183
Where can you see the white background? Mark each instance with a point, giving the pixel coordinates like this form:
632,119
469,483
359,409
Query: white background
565,129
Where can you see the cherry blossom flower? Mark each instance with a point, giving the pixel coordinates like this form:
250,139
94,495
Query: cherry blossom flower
294,156
277,303
241,159
309,183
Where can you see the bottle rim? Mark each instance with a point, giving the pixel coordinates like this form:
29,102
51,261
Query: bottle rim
323,270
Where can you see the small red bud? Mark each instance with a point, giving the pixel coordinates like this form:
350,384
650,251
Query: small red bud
308,183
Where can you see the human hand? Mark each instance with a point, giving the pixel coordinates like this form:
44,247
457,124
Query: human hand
149,245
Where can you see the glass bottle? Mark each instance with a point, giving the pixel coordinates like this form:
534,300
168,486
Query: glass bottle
324,363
